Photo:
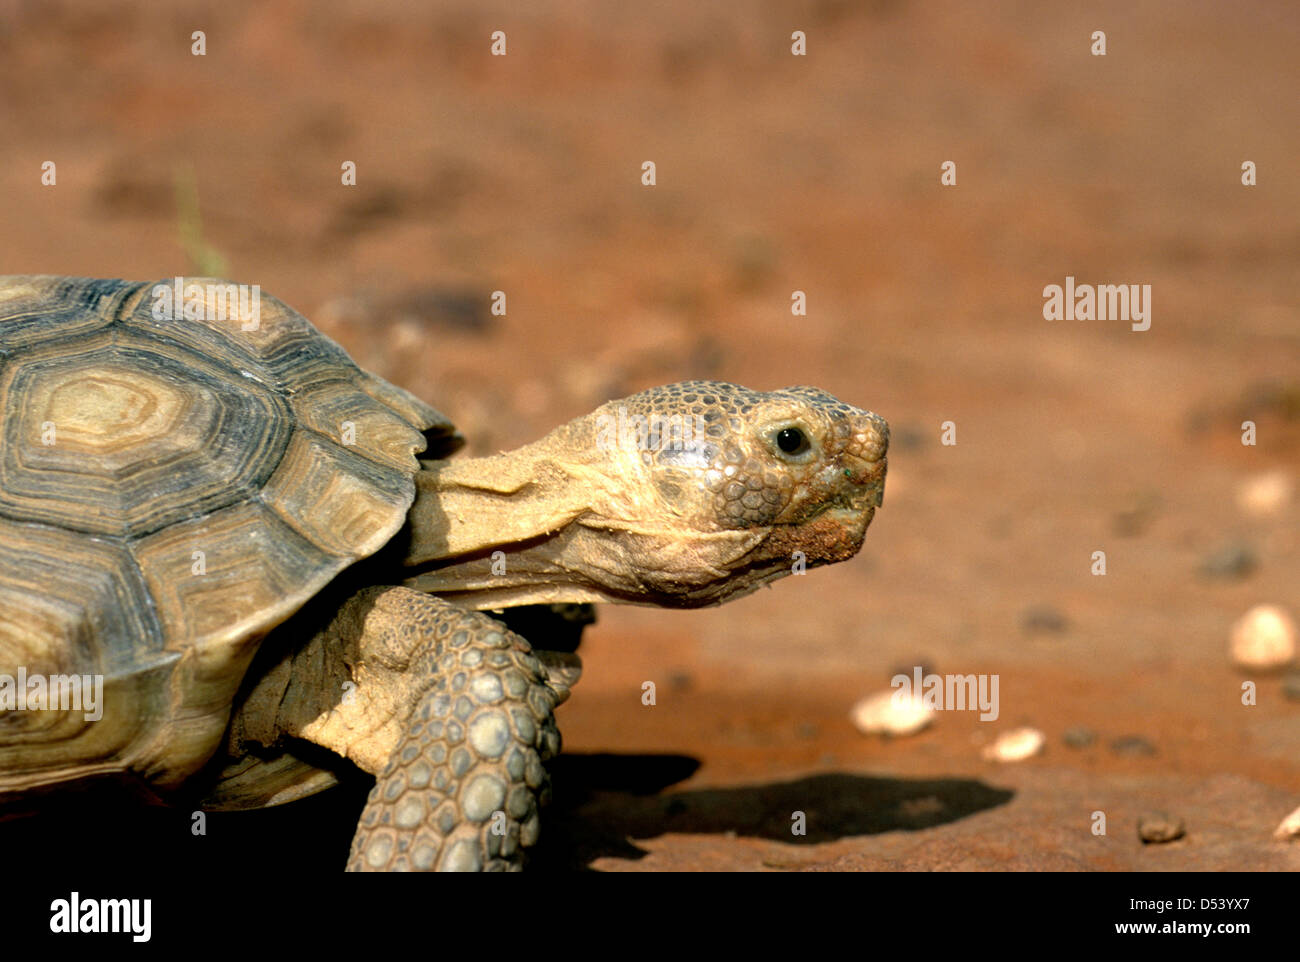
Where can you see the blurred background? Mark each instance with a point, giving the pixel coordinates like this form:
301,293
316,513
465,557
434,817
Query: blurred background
777,173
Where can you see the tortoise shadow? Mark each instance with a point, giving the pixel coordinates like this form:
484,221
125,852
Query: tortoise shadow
601,803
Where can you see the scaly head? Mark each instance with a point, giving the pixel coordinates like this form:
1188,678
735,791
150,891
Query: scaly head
683,495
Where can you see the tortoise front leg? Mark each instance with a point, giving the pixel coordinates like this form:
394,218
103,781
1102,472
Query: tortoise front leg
448,708
461,788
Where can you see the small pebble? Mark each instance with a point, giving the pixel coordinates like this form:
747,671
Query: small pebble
1133,745
1159,827
1016,745
1079,737
890,713
1042,619
1236,560
1263,638
1289,826
1265,494
1291,686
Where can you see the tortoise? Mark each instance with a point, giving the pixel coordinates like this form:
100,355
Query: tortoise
208,509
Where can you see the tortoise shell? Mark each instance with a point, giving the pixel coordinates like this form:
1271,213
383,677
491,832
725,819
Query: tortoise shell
172,487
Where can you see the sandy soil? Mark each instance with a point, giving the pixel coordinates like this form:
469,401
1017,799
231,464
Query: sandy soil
779,173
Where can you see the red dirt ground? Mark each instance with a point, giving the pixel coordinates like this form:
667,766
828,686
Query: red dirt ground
777,173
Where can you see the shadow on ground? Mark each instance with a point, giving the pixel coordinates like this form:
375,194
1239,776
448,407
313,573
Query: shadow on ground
602,803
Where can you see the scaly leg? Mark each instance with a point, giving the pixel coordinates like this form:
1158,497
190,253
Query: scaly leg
462,788
452,712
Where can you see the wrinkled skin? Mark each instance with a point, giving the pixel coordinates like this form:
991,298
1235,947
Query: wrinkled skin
715,491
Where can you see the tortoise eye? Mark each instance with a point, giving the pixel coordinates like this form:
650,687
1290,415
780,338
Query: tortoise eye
792,441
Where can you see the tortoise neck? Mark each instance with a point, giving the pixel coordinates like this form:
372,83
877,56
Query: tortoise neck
548,524
484,529
465,507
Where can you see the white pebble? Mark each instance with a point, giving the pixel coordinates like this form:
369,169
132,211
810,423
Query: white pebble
1016,745
891,713
1264,638
1289,827
1265,494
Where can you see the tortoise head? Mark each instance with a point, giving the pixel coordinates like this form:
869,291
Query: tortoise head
683,495
723,457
